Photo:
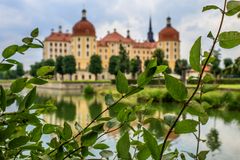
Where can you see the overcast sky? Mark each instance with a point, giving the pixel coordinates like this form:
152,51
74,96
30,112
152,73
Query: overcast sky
19,17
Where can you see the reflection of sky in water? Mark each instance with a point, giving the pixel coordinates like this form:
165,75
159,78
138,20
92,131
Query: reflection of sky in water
228,132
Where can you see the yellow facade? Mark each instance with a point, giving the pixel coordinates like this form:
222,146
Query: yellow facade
82,47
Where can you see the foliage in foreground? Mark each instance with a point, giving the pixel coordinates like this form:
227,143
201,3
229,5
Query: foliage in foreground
21,130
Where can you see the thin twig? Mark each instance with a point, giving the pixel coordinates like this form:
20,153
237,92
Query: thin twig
198,84
68,155
116,102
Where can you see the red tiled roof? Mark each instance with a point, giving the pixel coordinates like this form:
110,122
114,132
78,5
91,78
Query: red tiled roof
168,34
59,36
117,37
145,44
84,28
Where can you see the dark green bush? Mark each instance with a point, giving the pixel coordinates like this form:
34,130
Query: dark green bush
88,90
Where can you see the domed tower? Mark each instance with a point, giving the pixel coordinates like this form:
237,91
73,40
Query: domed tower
83,41
170,43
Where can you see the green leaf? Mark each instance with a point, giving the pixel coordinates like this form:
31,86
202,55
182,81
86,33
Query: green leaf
17,142
195,53
45,70
22,48
233,7
89,139
202,155
67,131
6,133
208,78
195,108
186,126
34,45
182,156
13,61
106,153
100,146
3,98
210,7
146,76
152,63
5,66
37,81
109,100
27,40
209,87
54,143
151,143
35,32
143,153
18,85
49,128
175,88
160,69
123,146
30,97
121,83
9,51
204,118
229,39
36,134
210,35
169,119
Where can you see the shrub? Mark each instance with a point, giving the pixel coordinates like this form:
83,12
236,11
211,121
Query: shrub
88,90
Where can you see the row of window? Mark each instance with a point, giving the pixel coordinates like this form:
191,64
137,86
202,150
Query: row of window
87,39
60,44
58,50
89,77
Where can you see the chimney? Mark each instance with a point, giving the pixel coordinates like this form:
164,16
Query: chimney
52,30
114,30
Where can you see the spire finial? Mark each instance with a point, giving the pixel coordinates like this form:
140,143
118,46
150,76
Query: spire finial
150,32
84,14
60,29
128,33
168,21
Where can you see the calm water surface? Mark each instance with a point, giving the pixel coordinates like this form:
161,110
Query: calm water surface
221,132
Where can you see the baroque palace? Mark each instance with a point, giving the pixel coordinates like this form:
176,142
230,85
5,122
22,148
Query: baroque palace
82,44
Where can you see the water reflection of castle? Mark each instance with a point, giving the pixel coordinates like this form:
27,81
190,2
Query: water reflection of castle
72,108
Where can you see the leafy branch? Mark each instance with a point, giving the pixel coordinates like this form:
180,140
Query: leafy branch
198,84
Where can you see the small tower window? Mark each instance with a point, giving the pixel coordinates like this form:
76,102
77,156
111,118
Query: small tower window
175,56
83,77
89,76
87,39
79,53
50,44
175,50
167,43
167,56
87,53
79,39
167,50
87,45
175,44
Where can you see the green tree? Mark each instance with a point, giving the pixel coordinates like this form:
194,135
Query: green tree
159,55
59,66
34,68
19,70
215,69
227,62
95,65
124,62
69,65
181,65
236,67
113,66
146,63
48,62
135,66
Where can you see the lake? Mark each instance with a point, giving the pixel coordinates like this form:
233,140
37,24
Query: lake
221,132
